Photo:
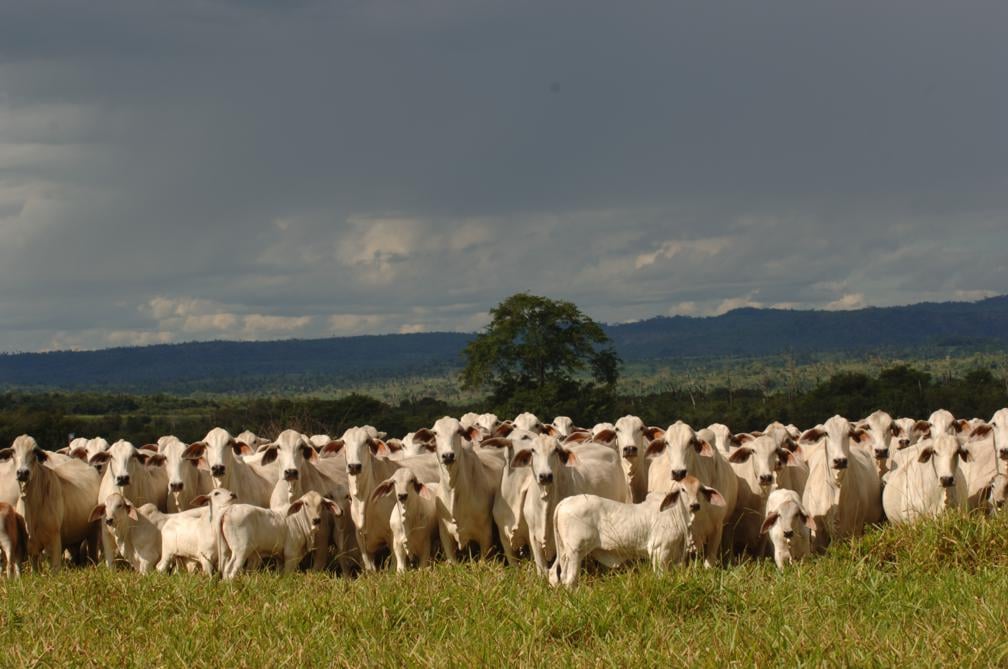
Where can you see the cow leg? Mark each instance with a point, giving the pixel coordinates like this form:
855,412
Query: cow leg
108,547
55,550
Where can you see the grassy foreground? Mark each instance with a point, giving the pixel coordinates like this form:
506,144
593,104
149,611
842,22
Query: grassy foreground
930,595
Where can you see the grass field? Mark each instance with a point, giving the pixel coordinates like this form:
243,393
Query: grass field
930,595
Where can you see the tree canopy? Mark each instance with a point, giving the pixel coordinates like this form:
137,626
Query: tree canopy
542,352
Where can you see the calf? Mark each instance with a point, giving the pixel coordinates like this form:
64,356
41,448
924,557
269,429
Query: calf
789,527
415,518
665,528
930,481
13,540
248,530
134,536
194,537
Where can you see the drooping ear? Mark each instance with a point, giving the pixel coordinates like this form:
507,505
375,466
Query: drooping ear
656,448
194,451
141,457
99,458
308,453
896,429
713,496
80,453
383,488
332,448
981,431
429,446
965,454
423,434
41,455
522,458
241,448
394,445
269,455
768,522
742,438
566,456
153,448
791,445
604,436
495,442
295,507
670,499
202,500
740,455
925,454
788,458
960,425
504,429
473,433
811,436
200,463
860,436
6,454
550,430
653,433
922,429
131,511
417,486
96,513
577,437
333,507
807,519
379,448
156,460
704,448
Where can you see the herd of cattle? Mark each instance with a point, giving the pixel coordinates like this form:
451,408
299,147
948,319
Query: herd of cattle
616,492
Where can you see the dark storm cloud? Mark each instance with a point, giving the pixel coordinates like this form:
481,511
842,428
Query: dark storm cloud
171,171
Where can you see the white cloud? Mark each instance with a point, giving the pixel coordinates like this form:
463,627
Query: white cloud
670,249
847,301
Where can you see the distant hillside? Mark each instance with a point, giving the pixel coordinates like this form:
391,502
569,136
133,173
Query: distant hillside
222,366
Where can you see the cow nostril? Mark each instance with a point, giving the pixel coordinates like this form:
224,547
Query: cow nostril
448,458
695,506
122,480
108,521
290,474
353,468
403,497
679,474
316,521
545,478
766,479
882,454
176,486
629,451
788,534
947,481
22,475
217,470
840,463
1004,453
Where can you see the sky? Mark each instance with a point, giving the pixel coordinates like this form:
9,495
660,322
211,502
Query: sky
191,170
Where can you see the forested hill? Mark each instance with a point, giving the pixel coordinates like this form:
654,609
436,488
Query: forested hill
223,366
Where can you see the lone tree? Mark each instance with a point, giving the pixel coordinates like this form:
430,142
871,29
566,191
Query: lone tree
537,354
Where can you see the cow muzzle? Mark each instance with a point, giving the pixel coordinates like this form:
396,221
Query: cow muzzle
546,478
290,475
839,463
218,470
22,475
176,486
448,458
629,451
403,497
353,468
947,481
122,481
678,474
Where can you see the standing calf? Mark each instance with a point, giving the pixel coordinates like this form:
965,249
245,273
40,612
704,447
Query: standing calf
789,526
13,539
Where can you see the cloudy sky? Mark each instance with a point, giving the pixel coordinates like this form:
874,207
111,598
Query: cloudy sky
183,170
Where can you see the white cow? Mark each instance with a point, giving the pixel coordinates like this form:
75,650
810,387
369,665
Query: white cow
988,445
470,477
930,481
843,492
55,501
665,528
187,480
557,473
631,439
289,534
943,422
89,448
414,519
136,538
761,467
879,430
253,484
529,422
788,526
194,536
562,426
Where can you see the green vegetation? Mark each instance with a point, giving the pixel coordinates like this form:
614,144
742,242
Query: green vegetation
926,595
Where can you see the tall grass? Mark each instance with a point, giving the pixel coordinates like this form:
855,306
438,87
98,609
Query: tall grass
926,595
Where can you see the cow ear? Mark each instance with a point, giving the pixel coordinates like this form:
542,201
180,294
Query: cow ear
925,454
417,486
741,438
269,455
241,448
423,434
704,448
6,454
713,496
656,448
473,433
141,457
965,454
808,520
202,500
383,488
788,458
566,456
604,436
424,491
96,513
670,499
41,455
380,448
495,442
153,448
308,453
295,507
394,445
156,460
811,436
504,429
551,430
896,429
981,431
80,453
332,448
960,425
333,507
740,455
791,445
429,446
860,436
922,428
131,511
193,451
99,458
521,458
577,437
653,433
768,522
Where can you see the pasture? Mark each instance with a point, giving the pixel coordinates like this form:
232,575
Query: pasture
930,594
